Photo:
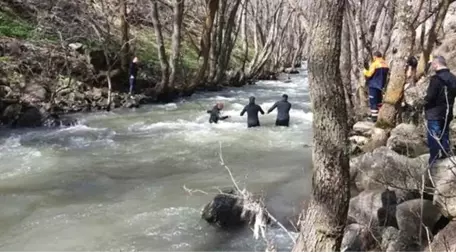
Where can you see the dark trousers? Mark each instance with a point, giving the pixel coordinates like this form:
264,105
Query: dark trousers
285,122
438,136
375,101
251,125
132,84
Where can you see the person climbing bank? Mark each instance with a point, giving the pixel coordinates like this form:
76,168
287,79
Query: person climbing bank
283,111
252,110
215,113
438,109
376,77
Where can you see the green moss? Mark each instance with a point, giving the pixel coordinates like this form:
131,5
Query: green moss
147,50
4,59
383,124
13,26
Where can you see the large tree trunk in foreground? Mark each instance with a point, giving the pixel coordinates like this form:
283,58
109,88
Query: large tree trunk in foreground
404,45
322,228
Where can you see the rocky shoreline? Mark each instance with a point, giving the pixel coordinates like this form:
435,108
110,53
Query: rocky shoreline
42,84
398,203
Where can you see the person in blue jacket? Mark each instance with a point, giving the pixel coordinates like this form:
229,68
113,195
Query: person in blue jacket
376,77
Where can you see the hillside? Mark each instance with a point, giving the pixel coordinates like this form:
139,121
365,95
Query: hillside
60,57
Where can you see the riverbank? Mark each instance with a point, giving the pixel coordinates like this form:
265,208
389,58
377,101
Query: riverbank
41,83
400,202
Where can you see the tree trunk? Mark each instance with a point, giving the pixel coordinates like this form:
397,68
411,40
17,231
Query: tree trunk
228,42
404,45
216,41
432,36
178,16
361,89
387,27
345,70
322,228
244,35
124,55
211,9
162,87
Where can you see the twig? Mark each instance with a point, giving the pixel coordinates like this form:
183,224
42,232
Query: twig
191,191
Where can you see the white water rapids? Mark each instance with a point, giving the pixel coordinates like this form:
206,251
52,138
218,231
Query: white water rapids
114,183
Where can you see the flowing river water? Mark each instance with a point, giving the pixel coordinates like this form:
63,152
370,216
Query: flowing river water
115,182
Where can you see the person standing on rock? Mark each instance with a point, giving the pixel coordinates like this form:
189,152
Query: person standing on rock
438,106
376,77
215,113
283,111
252,110
133,73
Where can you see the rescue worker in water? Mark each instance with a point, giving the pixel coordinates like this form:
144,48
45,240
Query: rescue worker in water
376,77
215,113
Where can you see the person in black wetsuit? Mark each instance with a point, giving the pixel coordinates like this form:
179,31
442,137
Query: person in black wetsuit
252,110
215,113
283,111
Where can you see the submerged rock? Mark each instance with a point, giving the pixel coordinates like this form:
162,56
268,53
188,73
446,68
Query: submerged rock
226,210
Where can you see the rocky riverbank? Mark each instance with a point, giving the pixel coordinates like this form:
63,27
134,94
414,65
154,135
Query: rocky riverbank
41,83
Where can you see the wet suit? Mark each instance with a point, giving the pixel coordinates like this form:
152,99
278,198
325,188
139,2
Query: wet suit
283,111
215,115
252,110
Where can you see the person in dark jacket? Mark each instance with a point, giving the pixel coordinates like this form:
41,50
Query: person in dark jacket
252,110
215,113
283,111
438,106
133,73
376,77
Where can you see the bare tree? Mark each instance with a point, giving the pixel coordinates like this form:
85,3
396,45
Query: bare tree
163,87
322,228
176,39
124,57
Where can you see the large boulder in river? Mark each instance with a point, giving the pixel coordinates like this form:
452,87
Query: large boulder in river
226,210
31,117
445,240
410,220
406,140
444,178
383,167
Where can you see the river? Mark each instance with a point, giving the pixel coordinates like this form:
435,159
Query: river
115,182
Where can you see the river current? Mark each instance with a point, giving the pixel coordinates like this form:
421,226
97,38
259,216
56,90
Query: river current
115,181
